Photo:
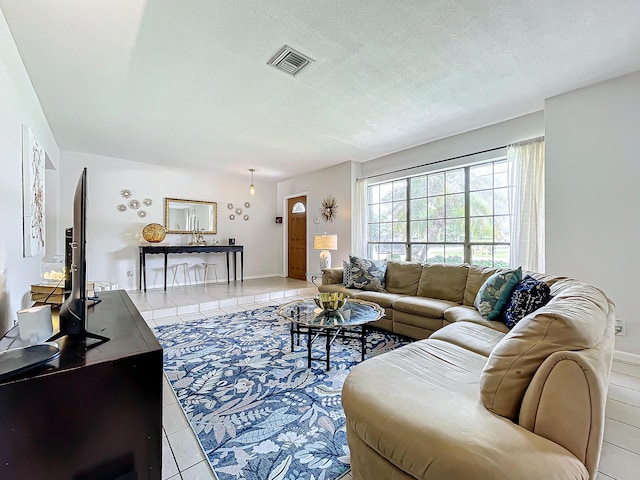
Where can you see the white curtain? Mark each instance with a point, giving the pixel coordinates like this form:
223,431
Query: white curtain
359,244
526,168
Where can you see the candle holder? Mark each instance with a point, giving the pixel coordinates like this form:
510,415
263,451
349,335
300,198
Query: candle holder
197,237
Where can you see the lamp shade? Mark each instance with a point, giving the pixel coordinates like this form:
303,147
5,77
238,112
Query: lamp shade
325,241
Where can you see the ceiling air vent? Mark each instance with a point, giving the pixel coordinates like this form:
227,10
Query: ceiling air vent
289,60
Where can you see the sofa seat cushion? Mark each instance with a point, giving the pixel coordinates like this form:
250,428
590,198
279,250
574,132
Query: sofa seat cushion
415,326
462,313
470,336
419,408
574,319
383,299
426,307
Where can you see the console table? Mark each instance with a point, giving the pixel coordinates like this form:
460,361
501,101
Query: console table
92,413
167,249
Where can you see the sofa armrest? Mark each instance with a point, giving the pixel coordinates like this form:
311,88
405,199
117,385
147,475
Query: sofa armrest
565,401
331,276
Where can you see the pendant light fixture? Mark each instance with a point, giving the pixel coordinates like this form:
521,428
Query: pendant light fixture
252,187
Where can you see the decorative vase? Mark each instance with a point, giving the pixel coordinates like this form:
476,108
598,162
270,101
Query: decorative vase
154,233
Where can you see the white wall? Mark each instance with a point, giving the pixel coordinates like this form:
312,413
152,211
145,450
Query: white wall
336,181
492,136
18,105
113,237
593,196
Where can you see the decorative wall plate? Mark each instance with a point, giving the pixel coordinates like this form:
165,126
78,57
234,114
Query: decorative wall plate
134,204
246,217
238,211
147,202
247,204
230,206
125,193
142,214
232,217
121,208
328,208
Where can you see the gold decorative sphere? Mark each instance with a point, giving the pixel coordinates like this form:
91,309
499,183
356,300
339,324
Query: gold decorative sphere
154,233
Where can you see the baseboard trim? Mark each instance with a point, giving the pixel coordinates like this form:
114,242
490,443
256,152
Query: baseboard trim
626,357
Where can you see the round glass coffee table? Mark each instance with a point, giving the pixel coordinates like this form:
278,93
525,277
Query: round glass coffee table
349,322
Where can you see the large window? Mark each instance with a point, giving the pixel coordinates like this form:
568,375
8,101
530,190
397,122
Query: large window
453,216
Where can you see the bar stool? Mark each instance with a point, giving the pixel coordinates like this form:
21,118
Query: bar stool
185,272
206,271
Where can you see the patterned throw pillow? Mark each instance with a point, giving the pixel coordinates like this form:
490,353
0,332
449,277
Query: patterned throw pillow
367,274
496,291
346,273
528,296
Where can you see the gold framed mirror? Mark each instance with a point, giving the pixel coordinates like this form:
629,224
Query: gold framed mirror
186,216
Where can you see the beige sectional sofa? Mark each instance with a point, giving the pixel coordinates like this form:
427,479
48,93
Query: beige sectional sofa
420,299
475,400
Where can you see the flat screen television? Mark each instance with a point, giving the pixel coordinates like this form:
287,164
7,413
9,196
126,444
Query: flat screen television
73,312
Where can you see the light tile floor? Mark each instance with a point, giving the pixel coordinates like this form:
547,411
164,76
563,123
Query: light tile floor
620,458
183,458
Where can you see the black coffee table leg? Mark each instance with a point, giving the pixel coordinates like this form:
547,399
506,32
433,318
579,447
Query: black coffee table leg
292,331
363,339
308,347
328,349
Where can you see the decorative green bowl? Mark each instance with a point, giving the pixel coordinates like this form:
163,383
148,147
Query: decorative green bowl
330,301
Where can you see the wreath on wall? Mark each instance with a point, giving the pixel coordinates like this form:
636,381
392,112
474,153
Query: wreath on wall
328,209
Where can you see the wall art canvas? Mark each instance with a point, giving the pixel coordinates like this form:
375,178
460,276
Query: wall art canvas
33,165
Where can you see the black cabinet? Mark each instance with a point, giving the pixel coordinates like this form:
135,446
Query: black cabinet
92,413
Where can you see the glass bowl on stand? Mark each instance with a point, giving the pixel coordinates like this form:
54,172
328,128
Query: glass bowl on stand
330,301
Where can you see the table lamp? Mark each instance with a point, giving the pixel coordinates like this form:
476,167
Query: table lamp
325,242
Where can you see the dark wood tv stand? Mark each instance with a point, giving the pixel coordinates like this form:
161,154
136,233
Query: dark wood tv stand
91,414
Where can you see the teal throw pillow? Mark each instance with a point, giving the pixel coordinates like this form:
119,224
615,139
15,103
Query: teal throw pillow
496,291
367,274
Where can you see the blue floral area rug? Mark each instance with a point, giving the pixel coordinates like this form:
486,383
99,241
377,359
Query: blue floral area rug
257,410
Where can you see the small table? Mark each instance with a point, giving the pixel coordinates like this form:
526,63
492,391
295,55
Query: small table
176,249
349,322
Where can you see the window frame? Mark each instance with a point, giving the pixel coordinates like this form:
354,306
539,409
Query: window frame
407,249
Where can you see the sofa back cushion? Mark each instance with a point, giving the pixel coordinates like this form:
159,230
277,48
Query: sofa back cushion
403,277
444,282
476,278
574,319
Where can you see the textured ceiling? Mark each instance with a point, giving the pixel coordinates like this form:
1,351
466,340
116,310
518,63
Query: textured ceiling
185,83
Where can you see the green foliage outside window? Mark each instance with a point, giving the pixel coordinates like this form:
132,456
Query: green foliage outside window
462,206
